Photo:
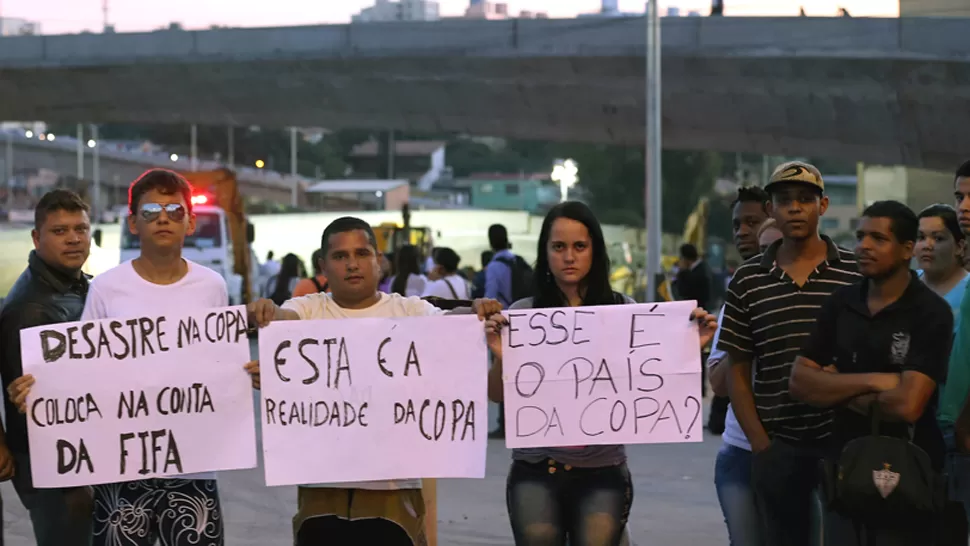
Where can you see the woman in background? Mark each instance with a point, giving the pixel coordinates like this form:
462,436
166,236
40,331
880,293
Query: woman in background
318,282
279,287
939,252
408,281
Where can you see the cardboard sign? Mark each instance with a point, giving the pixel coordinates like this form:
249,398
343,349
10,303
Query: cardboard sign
128,399
604,375
374,399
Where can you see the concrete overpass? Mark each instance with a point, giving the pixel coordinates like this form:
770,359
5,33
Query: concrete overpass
119,168
875,90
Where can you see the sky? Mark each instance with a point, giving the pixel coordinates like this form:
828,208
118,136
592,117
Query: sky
70,16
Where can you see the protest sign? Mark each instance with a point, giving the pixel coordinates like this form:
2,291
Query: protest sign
128,399
373,399
613,374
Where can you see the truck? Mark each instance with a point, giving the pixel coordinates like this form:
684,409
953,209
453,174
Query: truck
223,238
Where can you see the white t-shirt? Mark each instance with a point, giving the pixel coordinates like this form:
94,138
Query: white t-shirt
733,433
414,286
122,292
440,289
321,306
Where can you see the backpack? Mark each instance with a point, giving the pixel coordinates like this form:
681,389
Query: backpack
521,273
880,479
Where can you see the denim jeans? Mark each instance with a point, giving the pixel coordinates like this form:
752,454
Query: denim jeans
55,521
784,478
732,480
957,472
550,503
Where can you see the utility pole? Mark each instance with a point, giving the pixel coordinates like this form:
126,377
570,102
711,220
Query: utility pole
294,198
653,150
96,175
232,147
104,16
194,154
80,152
8,171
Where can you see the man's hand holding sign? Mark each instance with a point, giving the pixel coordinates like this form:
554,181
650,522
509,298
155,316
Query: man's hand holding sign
621,374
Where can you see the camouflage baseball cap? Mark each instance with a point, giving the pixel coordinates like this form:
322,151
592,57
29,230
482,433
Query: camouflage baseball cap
797,172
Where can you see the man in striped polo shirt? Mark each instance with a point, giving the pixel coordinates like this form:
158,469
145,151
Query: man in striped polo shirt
771,307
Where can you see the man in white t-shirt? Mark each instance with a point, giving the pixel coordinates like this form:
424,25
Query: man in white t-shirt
447,283
389,512
182,510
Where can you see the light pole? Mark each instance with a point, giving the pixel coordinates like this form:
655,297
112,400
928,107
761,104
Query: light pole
652,154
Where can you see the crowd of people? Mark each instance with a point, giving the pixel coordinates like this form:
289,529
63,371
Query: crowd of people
847,421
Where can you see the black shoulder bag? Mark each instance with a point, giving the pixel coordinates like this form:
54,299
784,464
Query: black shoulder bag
881,479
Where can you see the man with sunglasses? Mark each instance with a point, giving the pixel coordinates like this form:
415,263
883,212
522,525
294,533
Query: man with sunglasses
182,510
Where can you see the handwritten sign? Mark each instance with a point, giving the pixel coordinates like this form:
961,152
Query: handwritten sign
615,374
373,399
128,399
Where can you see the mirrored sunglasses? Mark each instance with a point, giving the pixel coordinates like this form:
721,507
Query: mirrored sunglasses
150,212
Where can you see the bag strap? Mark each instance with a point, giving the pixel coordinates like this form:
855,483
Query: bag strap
317,284
452,288
876,415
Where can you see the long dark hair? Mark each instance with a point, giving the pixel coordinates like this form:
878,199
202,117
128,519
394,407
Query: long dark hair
289,269
595,287
408,261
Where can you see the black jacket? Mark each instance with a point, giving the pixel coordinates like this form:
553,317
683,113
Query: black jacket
42,295
695,284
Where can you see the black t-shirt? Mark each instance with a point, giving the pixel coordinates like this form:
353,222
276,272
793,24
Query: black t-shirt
913,333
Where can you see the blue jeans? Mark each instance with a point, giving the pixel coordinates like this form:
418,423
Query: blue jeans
549,502
60,517
957,472
732,479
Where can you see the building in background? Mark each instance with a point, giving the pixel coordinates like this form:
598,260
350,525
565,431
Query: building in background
12,26
401,10
934,8
483,9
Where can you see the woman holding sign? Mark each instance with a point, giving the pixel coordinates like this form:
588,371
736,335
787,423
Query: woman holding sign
579,494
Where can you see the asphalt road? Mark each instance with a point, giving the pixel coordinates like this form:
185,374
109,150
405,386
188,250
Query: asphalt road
674,503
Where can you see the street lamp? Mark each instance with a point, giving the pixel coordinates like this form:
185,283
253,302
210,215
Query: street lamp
92,143
29,134
566,172
174,157
260,163
51,138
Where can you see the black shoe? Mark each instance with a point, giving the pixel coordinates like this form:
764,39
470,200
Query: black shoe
497,434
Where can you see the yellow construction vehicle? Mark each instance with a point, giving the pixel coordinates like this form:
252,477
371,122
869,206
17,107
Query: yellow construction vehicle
393,235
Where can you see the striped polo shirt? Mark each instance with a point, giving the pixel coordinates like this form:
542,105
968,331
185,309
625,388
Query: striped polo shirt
767,320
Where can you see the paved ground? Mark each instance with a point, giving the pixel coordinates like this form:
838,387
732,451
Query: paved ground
674,503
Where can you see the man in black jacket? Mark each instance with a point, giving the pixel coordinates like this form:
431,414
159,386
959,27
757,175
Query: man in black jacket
51,290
